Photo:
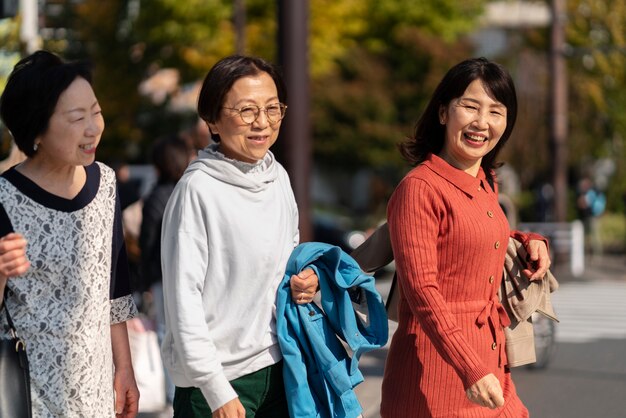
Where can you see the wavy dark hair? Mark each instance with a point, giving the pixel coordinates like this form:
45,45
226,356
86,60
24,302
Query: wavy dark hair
429,134
224,74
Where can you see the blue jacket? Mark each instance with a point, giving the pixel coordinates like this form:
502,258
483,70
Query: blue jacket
319,375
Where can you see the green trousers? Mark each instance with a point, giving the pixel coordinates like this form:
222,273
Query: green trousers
262,394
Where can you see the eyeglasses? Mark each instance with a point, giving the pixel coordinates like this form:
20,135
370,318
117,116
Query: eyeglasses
249,114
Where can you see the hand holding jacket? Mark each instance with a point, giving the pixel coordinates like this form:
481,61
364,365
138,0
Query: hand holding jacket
304,286
539,259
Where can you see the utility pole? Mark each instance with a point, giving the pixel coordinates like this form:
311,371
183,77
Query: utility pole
239,19
558,103
29,29
296,128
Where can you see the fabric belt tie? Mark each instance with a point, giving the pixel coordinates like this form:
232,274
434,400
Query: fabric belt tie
492,310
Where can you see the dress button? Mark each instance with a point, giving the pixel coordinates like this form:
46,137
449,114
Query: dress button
311,313
494,346
491,279
490,214
479,188
497,245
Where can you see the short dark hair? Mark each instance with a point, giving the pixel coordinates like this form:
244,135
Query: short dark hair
170,156
224,74
429,135
32,92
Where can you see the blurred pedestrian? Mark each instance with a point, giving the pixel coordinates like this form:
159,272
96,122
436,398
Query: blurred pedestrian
129,195
72,298
197,136
129,189
170,157
591,203
228,230
449,238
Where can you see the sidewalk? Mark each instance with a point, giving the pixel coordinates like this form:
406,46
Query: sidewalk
602,267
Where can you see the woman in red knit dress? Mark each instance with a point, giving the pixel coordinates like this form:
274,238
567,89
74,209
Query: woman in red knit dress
449,238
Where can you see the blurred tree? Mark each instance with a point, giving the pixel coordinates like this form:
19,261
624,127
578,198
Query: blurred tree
596,59
189,36
374,97
373,64
9,56
10,51
101,36
596,33
130,40
336,27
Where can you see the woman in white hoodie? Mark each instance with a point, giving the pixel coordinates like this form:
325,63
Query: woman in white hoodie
229,228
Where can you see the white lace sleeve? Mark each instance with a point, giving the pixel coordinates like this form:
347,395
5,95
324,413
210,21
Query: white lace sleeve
123,309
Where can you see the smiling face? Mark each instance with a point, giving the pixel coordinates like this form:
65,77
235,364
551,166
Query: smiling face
242,141
74,129
474,124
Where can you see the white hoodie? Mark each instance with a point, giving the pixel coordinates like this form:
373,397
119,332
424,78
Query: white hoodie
228,231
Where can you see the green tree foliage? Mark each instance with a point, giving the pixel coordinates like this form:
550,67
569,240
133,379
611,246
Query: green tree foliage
188,35
9,56
374,97
596,33
373,63
100,37
595,53
131,40
335,29
9,53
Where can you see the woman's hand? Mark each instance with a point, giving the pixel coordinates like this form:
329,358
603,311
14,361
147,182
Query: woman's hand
486,392
231,409
304,285
124,384
539,260
126,393
13,260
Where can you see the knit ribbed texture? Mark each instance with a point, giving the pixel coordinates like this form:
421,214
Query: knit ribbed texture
449,237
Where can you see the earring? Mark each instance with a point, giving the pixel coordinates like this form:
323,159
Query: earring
35,146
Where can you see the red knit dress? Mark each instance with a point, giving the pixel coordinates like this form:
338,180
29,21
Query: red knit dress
449,237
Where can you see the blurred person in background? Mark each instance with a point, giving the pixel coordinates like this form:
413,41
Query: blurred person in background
591,203
449,237
72,297
229,228
197,136
129,189
170,158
